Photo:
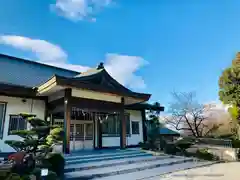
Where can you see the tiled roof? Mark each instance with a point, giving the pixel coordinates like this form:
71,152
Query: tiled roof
34,62
28,73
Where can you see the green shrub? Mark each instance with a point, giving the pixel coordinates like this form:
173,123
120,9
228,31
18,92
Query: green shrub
189,139
57,163
226,136
140,144
145,146
184,144
171,148
236,143
37,173
51,175
179,147
34,148
7,174
205,154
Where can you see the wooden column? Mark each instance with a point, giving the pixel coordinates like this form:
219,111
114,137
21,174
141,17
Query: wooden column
99,126
94,132
46,113
144,127
52,119
123,126
67,120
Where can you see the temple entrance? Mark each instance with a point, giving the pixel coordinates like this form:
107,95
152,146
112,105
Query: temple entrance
88,127
81,135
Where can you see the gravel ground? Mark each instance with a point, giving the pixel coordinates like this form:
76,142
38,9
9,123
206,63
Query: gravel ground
222,171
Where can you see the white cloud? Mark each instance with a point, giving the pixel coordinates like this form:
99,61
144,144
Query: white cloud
42,49
76,10
121,67
73,67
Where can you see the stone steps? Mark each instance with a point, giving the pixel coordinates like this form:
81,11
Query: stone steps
103,157
114,162
128,164
156,173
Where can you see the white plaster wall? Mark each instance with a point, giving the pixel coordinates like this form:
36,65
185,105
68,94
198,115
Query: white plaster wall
110,141
15,106
134,139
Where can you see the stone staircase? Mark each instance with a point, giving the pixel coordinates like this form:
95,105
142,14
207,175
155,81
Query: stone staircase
124,164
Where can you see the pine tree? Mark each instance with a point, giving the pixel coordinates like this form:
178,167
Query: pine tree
35,145
153,127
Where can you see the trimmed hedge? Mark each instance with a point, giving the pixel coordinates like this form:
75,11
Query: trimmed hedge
51,175
236,143
57,163
7,174
205,155
171,148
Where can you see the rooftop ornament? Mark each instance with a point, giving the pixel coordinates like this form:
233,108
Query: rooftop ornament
100,66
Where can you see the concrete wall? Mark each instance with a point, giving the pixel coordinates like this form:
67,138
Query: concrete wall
15,106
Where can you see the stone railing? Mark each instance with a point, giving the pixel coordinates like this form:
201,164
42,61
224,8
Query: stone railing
215,142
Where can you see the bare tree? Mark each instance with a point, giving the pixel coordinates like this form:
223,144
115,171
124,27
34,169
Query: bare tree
190,117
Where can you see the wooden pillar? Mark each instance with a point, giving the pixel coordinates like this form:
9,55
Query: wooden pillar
67,120
46,113
52,119
94,131
123,126
99,126
144,127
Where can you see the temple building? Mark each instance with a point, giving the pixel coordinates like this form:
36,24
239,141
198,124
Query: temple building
93,108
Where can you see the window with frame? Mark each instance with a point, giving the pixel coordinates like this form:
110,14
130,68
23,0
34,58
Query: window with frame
16,122
111,126
135,127
2,117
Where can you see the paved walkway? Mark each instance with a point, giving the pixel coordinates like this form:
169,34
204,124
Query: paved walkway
223,171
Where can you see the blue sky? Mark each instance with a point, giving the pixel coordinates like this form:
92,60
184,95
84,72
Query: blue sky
152,46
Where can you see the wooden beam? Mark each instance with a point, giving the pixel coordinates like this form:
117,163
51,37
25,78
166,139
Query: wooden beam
67,120
56,106
95,105
123,126
59,109
57,95
56,102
